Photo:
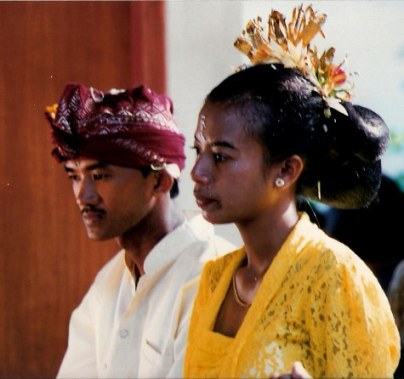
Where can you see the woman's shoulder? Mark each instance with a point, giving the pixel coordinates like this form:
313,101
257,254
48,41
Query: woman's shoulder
215,268
317,248
328,256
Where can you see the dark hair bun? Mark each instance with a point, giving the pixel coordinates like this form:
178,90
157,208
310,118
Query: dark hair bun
343,169
369,136
349,186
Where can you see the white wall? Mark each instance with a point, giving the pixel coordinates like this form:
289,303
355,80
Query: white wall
200,54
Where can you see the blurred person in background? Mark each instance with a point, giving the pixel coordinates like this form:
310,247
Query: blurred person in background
372,232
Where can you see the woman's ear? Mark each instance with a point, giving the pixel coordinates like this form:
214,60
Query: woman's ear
289,171
164,182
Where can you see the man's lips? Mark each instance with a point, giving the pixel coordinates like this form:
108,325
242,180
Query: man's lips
92,215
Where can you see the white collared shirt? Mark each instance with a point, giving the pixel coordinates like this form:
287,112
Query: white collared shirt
125,331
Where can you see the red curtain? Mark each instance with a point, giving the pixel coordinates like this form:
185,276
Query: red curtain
47,262
148,44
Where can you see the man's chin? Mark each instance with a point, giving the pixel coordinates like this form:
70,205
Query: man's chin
96,236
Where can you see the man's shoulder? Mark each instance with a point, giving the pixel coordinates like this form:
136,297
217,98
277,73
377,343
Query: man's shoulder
189,247
114,268
218,247
206,240
203,229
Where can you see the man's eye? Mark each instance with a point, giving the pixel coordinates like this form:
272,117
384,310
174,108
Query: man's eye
98,176
73,178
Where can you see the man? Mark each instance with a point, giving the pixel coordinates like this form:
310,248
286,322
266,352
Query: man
124,153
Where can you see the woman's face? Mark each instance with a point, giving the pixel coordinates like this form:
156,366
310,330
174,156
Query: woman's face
232,185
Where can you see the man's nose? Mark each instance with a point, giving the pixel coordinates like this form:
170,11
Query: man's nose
86,193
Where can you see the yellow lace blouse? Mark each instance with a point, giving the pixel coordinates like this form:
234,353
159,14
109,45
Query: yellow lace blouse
318,303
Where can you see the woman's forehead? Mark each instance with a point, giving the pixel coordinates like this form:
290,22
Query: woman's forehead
216,118
222,127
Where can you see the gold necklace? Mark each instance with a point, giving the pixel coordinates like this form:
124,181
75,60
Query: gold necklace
235,293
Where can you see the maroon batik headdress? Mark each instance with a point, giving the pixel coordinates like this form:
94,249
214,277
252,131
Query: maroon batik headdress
131,128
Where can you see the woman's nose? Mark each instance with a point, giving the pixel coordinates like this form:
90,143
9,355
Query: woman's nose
200,171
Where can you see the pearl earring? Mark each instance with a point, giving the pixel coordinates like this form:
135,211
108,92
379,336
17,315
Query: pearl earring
279,182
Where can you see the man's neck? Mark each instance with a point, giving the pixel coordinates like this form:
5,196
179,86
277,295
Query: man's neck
142,238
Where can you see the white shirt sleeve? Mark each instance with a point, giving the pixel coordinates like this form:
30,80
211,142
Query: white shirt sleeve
80,358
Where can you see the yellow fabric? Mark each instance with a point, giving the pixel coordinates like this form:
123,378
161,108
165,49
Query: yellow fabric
318,303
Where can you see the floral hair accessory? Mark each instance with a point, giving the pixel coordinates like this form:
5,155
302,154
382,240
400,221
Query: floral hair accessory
51,110
289,44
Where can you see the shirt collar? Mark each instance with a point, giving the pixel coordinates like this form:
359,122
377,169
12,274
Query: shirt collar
174,243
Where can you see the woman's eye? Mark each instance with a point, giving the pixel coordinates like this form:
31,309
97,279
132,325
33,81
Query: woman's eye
219,157
196,149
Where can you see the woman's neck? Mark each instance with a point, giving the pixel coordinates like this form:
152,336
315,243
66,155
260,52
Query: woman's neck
264,236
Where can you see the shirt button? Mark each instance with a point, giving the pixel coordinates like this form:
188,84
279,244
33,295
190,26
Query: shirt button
123,333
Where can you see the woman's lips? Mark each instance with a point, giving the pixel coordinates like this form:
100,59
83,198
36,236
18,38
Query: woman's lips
203,201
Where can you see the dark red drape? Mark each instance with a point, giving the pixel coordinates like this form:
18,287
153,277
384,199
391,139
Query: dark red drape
148,44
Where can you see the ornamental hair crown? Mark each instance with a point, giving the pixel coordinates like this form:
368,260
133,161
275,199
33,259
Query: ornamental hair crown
289,45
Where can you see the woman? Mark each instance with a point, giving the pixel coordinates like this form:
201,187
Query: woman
267,135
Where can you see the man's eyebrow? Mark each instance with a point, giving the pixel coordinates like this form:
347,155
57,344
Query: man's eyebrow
90,167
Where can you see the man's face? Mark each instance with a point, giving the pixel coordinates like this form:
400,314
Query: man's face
111,199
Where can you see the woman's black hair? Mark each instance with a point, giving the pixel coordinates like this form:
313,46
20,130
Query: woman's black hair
285,113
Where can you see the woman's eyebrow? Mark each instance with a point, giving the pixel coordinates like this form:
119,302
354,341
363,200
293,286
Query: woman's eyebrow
215,143
223,144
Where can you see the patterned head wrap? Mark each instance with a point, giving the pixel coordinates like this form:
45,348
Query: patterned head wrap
131,128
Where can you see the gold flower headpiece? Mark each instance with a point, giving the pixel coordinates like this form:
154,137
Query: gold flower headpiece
289,44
